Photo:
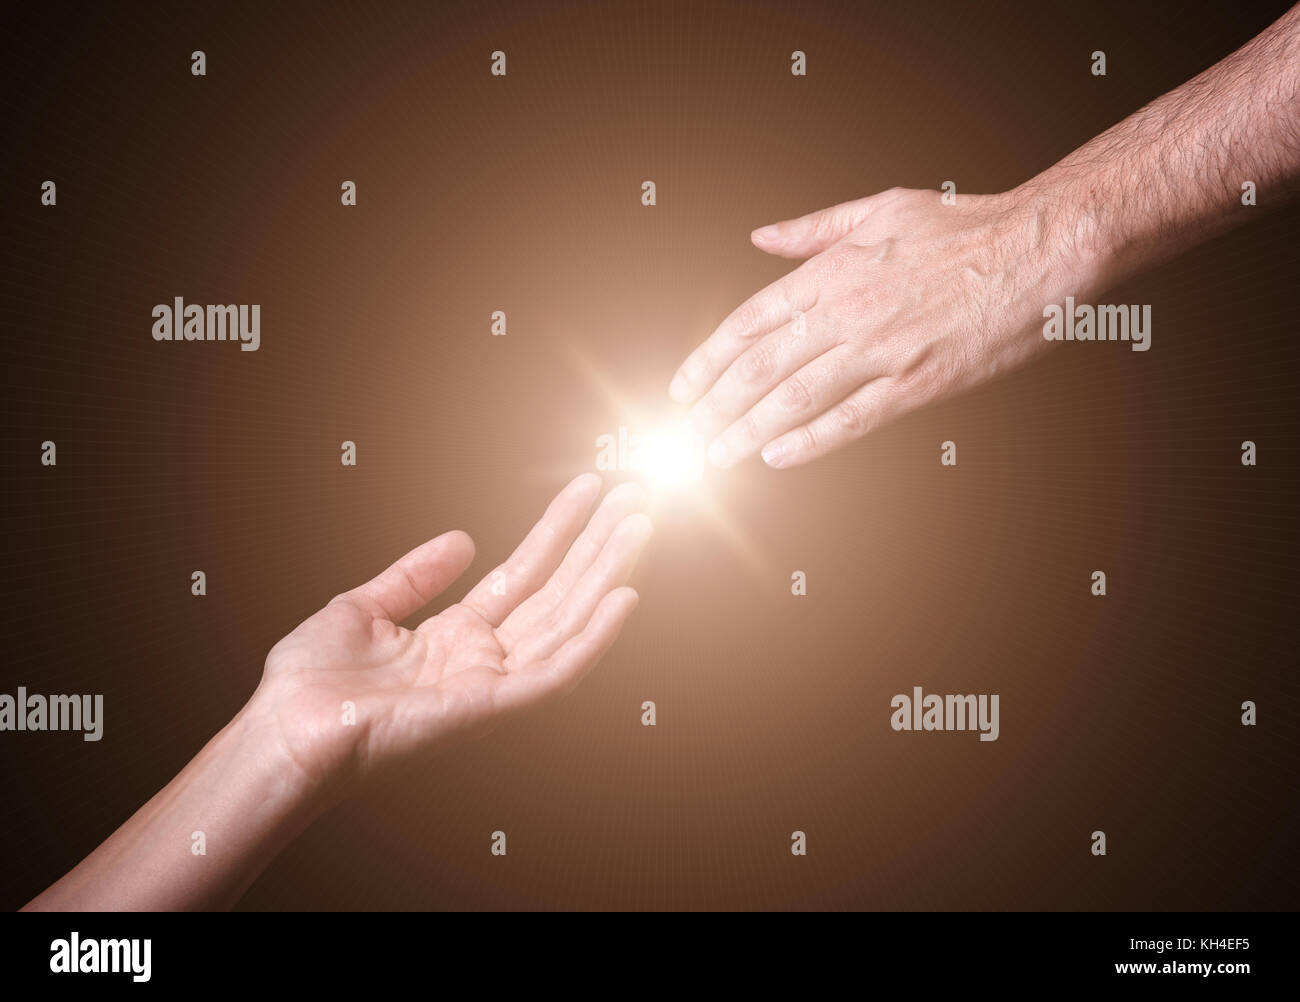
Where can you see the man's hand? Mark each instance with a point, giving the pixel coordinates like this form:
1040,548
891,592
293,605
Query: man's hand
903,299
528,631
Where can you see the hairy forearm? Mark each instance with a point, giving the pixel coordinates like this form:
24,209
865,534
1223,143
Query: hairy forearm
1171,174
241,792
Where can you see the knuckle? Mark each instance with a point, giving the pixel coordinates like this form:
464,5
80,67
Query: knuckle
853,417
809,441
747,321
779,303
745,317
824,225
921,383
757,365
793,394
409,582
840,366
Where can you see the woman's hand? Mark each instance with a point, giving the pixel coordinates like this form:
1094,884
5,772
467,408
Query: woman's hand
351,691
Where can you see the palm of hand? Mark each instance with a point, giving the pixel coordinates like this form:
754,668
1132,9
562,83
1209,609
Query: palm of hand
351,691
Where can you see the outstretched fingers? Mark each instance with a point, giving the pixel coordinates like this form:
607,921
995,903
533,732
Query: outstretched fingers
532,642
625,499
763,312
537,557
863,410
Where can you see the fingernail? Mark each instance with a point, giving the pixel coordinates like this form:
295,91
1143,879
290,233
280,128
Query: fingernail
678,389
774,455
765,233
718,453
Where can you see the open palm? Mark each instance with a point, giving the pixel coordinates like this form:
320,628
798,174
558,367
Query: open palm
351,691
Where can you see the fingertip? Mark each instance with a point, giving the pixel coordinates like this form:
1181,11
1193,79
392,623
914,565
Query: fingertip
766,234
462,537
777,454
679,389
458,540
586,482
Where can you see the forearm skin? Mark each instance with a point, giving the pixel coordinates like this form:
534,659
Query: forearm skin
241,791
1170,175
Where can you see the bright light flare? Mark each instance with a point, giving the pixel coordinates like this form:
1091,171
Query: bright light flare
671,458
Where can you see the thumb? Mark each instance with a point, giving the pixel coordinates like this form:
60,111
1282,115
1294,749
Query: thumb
414,580
813,233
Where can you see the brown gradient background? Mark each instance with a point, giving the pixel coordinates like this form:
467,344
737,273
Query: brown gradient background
522,194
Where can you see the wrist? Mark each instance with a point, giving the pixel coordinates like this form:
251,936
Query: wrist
1081,247
201,840
254,747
